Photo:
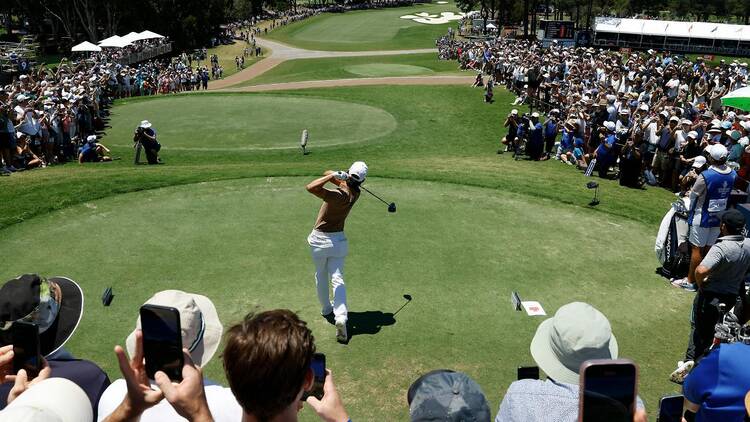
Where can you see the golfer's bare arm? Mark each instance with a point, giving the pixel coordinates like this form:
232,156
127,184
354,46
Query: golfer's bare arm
316,186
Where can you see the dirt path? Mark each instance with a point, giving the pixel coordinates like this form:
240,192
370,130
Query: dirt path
401,80
281,52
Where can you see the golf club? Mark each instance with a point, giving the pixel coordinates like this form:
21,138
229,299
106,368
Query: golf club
391,206
408,301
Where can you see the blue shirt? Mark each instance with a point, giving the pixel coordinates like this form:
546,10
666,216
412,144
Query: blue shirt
602,151
719,383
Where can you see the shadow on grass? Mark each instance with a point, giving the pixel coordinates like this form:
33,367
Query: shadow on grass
368,322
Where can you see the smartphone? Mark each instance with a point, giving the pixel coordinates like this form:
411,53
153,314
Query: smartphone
670,409
528,373
608,390
26,348
318,366
162,341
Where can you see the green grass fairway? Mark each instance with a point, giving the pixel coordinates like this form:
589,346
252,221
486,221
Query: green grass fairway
365,30
253,122
356,67
227,53
457,250
227,216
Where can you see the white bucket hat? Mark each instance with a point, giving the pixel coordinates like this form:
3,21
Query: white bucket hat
199,322
358,171
145,124
54,399
577,333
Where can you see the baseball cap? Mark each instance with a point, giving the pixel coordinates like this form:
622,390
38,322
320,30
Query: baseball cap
718,152
199,321
578,332
535,114
91,138
358,171
726,125
610,126
734,134
445,395
674,119
733,219
55,305
693,134
514,112
21,97
686,122
699,162
51,400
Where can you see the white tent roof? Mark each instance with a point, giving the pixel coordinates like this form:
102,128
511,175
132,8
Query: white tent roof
86,46
113,41
133,36
491,26
147,35
707,30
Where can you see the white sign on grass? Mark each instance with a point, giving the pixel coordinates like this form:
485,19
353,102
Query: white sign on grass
428,19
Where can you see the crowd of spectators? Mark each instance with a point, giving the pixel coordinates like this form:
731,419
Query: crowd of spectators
644,116
267,360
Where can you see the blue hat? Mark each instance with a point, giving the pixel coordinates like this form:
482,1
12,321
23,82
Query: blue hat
444,395
726,125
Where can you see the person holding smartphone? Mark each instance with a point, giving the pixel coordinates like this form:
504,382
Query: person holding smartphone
327,241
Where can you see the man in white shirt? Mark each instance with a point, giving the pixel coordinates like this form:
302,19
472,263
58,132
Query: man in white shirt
201,335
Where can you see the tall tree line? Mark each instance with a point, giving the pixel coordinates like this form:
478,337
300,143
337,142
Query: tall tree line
189,23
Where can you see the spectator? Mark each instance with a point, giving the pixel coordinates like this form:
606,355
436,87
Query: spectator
55,305
445,395
93,152
267,362
48,399
201,334
720,279
716,389
145,136
577,333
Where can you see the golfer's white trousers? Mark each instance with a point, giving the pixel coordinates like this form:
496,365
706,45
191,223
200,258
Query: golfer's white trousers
328,253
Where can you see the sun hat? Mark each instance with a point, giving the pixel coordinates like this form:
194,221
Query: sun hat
577,333
55,305
445,395
145,124
199,322
699,162
686,122
718,152
358,171
54,399
734,134
726,125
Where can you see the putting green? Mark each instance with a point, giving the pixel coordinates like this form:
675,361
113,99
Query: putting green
458,251
386,69
381,29
248,122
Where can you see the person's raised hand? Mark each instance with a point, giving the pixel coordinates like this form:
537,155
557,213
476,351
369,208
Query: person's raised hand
21,381
330,408
188,398
140,395
6,362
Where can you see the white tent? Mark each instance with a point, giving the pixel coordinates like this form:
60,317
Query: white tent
86,46
113,41
133,36
676,29
491,26
147,35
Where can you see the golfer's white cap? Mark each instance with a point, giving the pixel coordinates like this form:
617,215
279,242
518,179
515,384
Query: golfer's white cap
91,138
358,171
52,400
718,152
699,162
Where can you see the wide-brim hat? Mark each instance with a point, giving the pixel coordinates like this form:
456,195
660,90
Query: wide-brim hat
54,399
55,305
445,395
145,124
577,333
199,322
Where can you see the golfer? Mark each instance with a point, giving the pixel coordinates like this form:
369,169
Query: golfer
327,241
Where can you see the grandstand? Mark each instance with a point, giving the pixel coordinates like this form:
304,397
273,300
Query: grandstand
683,37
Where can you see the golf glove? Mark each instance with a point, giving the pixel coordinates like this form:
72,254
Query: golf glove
340,175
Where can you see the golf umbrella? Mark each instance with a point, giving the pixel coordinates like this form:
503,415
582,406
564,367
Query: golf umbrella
738,99
86,46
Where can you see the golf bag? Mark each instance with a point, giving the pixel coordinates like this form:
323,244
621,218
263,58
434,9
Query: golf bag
590,168
672,248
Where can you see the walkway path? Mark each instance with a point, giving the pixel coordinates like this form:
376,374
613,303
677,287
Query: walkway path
281,52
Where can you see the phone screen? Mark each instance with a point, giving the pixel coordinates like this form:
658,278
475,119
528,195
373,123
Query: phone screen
670,409
26,348
528,373
609,392
318,366
162,341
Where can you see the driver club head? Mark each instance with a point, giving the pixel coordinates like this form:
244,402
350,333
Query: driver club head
407,297
392,207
